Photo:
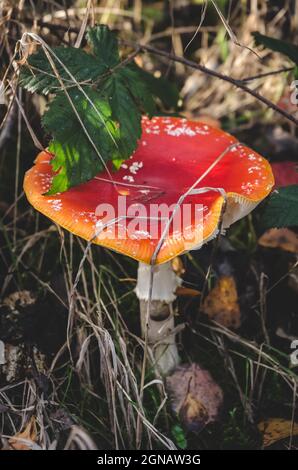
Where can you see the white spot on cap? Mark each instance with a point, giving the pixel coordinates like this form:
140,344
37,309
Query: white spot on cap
128,178
135,166
178,131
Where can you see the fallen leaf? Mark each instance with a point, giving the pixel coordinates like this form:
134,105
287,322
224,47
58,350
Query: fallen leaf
275,429
282,238
221,304
186,291
26,52
193,414
22,298
29,434
195,397
285,173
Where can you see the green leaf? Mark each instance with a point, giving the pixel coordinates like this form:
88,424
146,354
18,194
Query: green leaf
76,160
290,50
139,90
179,436
104,45
96,114
38,75
125,111
166,91
281,209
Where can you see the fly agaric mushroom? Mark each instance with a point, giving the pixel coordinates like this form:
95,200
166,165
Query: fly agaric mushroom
178,164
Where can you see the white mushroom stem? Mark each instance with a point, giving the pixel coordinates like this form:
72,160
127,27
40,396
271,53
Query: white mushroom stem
160,321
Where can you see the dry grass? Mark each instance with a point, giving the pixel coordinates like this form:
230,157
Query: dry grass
89,395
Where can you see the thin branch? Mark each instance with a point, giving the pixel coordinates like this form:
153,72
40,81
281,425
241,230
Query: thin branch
239,83
55,27
266,74
236,82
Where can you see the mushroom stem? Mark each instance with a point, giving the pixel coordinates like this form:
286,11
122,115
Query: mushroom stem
160,323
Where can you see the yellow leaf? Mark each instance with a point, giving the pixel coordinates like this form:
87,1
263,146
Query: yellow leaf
29,434
193,413
221,304
282,238
194,396
275,429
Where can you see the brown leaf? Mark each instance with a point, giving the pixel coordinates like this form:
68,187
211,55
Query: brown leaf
221,304
194,395
26,52
275,429
193,414
22,298
282,238
29,434
186,291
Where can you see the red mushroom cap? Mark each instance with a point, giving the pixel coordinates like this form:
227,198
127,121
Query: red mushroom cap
171,156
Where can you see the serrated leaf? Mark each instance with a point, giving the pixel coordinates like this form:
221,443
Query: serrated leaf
125,111
166,91
38,76
286,48
281,209
110,114
75,158
104,45
139,90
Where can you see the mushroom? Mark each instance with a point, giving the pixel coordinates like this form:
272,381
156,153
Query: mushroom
178,165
